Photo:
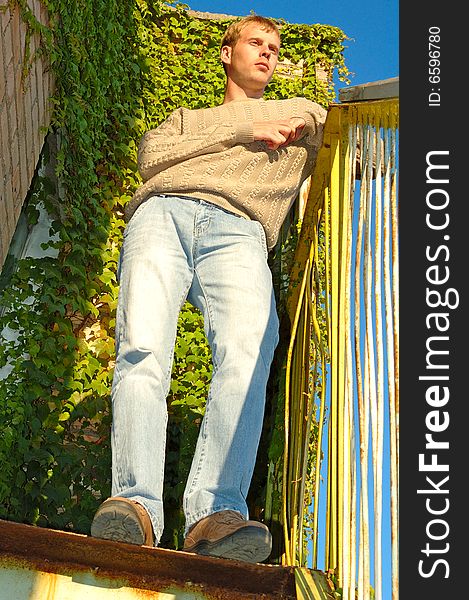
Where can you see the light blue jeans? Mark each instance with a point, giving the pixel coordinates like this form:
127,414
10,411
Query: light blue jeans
176,249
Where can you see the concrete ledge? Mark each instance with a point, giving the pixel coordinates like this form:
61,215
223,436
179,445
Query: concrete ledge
375,90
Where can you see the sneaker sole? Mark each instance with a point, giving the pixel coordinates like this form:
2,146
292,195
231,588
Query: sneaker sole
119,523
249,544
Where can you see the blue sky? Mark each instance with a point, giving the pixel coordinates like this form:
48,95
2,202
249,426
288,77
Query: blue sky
371,54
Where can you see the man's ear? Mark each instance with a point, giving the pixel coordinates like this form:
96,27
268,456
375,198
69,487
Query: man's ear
225,54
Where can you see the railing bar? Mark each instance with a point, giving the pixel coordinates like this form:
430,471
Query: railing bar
332,431
297,457
321,415
395,286
294,407
324,383
341,202
327,230
394,406
353,519
369,334
335,453
327,384
346,198
317,480
310,408
363,439
287,559
378,475
369,373
295,420
352,135
303,397
358,365
292,434
391,366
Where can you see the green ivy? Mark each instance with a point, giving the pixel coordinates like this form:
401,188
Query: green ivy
120,68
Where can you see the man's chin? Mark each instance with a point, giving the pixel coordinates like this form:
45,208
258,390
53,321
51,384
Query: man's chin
262,78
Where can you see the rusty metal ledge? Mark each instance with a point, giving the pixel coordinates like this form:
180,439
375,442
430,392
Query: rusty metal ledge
139,567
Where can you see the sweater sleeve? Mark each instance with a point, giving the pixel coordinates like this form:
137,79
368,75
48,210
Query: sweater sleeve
314,116
170,143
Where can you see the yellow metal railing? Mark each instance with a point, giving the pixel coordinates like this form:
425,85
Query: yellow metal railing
342,362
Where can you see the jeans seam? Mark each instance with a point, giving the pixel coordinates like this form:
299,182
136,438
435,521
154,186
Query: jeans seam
262,238
207,404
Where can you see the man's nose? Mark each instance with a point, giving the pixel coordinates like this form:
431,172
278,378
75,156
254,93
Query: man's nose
266,52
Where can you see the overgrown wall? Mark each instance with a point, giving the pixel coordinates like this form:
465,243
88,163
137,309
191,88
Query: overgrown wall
26,84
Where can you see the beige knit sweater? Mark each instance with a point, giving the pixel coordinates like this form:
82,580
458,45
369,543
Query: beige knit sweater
210,154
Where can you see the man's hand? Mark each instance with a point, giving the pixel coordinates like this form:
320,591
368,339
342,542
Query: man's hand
278,133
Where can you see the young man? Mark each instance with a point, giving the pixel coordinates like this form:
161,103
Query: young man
218,183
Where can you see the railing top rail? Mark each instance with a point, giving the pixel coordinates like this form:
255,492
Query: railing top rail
374,90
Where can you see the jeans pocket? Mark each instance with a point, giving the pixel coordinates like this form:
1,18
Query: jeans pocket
140,208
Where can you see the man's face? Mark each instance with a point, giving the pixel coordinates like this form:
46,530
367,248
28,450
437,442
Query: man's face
252,61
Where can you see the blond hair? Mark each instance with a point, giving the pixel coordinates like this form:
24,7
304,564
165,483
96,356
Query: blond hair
233,32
